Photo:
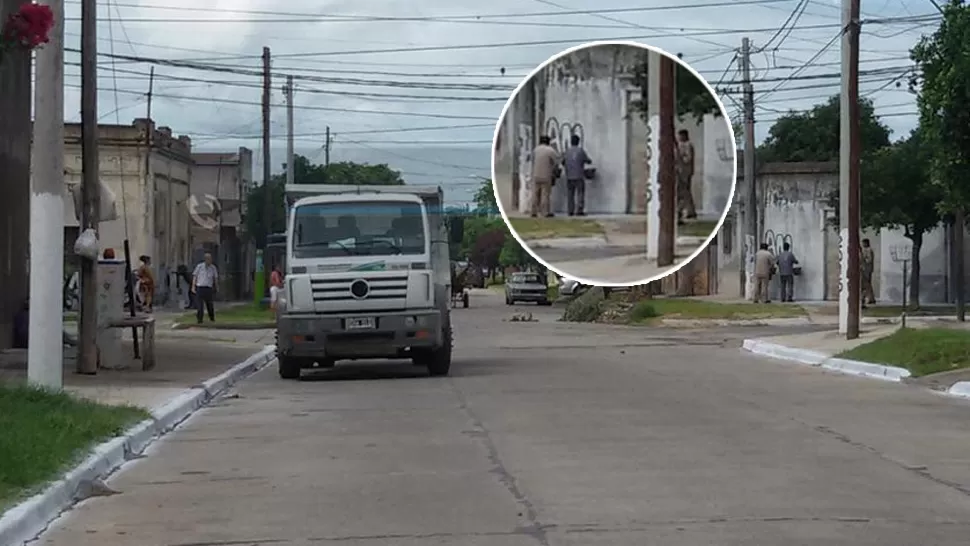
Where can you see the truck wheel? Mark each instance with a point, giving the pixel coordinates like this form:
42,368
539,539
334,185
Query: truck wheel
289,367
438,361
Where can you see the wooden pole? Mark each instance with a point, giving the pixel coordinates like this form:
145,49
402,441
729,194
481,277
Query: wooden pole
87,361
667,166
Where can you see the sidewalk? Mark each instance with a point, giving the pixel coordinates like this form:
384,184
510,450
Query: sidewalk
182,364
620,269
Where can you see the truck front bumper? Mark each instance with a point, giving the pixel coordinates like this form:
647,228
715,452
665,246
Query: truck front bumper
327,336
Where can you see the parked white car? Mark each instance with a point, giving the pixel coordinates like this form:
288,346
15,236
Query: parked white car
571,287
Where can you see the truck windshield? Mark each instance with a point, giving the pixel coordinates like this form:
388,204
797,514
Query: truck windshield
360,228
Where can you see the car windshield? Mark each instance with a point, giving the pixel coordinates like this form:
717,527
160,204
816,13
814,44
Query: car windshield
361,228
525,278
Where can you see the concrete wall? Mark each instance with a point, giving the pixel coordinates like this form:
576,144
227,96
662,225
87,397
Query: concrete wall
717,174
594,109
937,263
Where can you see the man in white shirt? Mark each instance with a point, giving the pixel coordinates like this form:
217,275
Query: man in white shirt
205,280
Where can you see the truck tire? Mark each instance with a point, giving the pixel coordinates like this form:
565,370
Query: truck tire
289,367
438,361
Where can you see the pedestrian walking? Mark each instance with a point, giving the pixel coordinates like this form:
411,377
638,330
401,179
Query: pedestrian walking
575,160
764,266
685,175
146,283
786,271
867,264
205,281
545,171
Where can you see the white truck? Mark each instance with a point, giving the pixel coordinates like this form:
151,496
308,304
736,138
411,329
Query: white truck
367,275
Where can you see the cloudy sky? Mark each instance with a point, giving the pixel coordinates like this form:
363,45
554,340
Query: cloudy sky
384,74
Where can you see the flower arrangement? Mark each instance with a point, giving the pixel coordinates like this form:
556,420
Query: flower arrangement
27,28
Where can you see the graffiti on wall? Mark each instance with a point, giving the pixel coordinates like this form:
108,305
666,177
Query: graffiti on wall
560,133
524,144
777,241
725,151
650,163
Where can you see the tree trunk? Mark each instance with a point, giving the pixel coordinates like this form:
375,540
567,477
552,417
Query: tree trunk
914,269
15,134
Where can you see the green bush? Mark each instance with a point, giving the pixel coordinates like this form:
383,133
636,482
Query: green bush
643,310
587,307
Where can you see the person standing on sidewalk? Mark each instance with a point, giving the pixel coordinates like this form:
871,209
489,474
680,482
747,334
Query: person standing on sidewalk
764,266
575,161
786,270
867,264
545,171
205,280
685,175
275,285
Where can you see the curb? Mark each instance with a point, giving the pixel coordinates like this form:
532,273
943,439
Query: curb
568,242
821,360
27,520
701,323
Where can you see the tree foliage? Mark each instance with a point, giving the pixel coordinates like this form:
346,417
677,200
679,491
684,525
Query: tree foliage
814,135
692,96
341,172
257,227
943,83
485,198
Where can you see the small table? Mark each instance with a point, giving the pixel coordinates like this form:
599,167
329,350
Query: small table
147,326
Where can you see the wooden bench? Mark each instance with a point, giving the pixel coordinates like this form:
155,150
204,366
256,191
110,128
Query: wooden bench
147,340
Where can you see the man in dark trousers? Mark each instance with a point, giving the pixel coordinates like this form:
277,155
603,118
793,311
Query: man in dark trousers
205,280
575,160
786,270
685,175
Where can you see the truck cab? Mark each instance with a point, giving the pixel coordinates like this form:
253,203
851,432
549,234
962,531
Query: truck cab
367,276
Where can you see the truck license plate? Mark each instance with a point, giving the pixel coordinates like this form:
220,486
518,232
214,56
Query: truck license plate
363,323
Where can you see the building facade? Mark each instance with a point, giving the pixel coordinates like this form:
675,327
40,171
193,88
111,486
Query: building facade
220,184
150,178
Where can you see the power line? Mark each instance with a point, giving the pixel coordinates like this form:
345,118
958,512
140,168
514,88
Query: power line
301,107
488,18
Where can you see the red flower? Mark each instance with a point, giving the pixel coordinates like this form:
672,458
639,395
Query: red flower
28,27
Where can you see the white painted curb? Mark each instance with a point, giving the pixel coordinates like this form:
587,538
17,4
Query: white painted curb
704,323
814,358
29,519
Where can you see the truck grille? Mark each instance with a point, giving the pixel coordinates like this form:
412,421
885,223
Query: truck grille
359,288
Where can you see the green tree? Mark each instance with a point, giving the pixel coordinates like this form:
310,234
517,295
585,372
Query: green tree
943,93
257,228
513,254
898,193
692,96
814,135
485,198
341,172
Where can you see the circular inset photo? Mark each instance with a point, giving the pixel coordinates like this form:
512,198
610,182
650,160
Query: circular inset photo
614,164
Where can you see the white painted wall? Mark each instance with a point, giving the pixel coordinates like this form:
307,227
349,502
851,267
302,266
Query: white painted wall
594,110
718,172
934,267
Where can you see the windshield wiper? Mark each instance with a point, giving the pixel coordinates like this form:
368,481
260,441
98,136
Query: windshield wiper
342,246
393,246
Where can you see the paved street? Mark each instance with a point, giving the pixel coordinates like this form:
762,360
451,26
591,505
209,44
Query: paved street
556,434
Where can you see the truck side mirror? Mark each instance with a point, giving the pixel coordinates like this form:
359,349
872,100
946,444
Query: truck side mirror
456,229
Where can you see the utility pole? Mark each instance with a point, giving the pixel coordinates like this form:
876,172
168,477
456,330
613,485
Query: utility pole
260,289
149,179
87,361
326,149
45,346
849,304
959,227
750,172
288,93
667,169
